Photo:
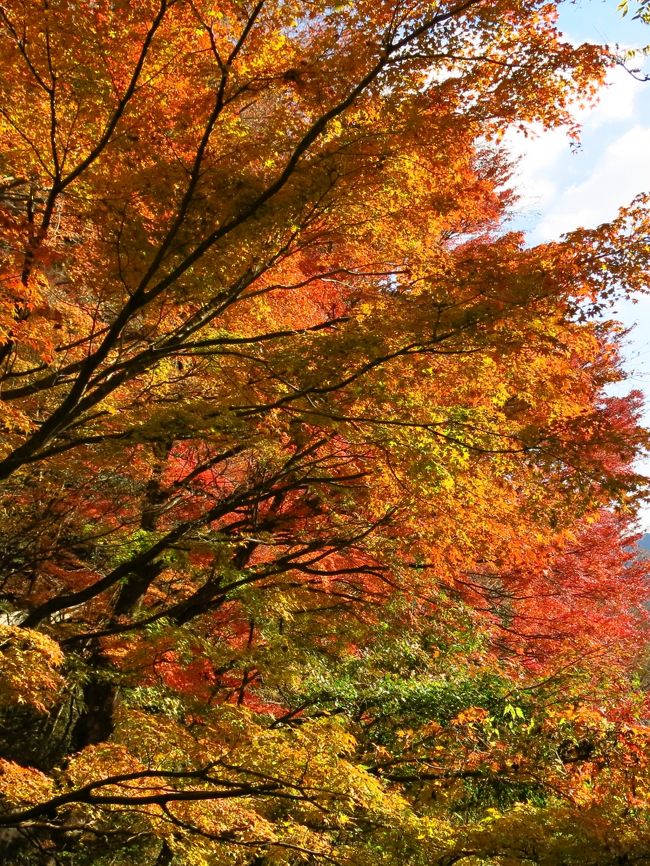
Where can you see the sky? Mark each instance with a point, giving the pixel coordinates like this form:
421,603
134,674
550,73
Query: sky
562,188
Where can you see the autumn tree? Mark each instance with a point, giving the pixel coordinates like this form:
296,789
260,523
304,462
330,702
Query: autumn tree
316,515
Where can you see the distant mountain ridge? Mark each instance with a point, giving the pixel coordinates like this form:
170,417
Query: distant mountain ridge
644,541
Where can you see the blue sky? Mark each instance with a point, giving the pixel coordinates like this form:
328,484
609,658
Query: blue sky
562,189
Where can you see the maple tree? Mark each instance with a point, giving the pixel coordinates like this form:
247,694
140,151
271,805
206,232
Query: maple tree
317,518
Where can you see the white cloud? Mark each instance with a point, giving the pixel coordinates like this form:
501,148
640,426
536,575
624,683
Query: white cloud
535,156
616,100
620,173
560,191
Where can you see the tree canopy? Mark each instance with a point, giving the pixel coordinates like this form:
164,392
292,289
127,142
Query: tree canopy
318,515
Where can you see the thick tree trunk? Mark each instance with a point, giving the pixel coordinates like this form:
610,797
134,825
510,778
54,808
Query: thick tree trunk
95,722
